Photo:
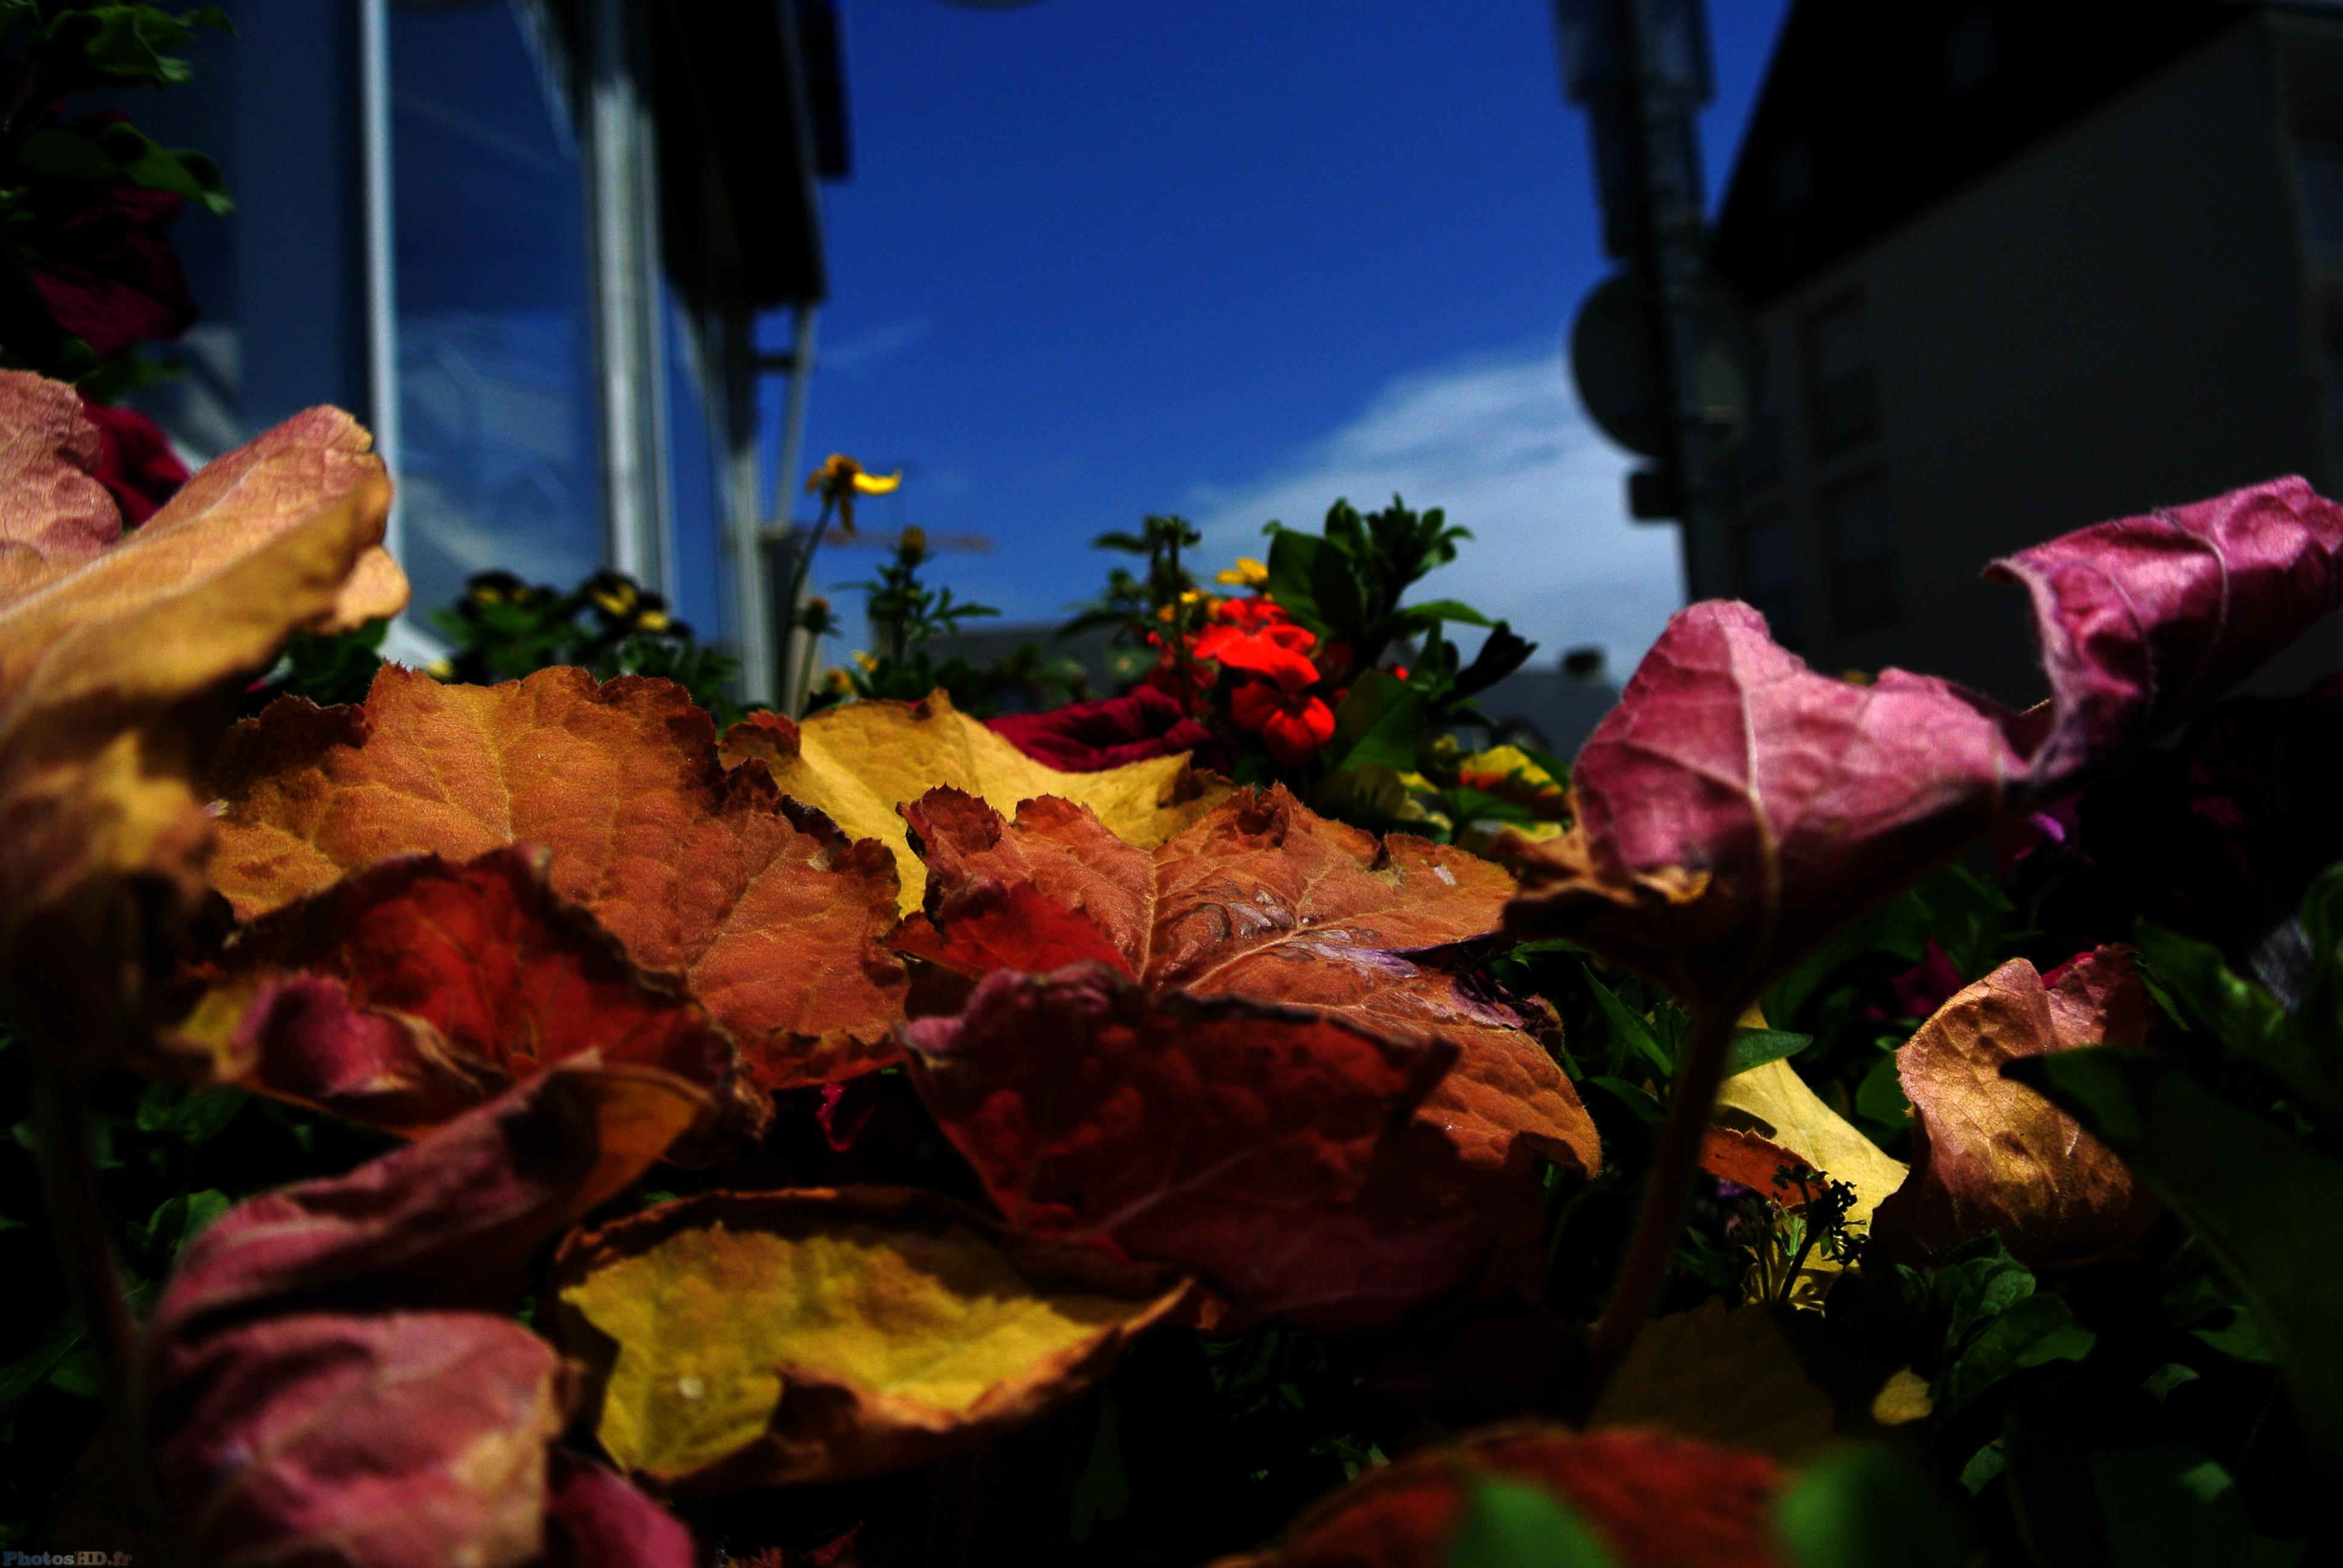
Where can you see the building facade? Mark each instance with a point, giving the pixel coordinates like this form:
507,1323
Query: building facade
2018,268
531,244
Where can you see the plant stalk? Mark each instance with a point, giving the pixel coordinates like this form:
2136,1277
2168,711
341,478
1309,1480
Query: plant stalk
77,1219
1693,1101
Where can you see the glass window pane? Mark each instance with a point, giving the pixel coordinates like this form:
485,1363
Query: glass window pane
280,281
498,441
695,495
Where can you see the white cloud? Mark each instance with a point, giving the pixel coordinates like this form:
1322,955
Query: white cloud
1504,445
857,357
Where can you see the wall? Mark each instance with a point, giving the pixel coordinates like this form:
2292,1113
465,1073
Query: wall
2120,320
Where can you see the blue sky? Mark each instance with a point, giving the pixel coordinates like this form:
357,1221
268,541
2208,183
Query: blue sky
1232,258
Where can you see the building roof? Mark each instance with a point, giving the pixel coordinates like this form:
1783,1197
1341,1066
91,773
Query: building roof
750,100
1870,115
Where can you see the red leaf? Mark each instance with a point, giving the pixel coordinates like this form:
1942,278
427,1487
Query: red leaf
1269,1150
447,1220
597,1520
1737,807
417,990
312,1397
1656,1502
411,1439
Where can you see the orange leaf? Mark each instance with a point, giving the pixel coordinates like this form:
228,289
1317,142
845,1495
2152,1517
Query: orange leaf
1991,1155
1656,1502
419,989
1266,900
110,668
773,918
773,1339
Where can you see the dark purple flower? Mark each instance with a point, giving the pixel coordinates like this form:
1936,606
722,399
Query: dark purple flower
135,461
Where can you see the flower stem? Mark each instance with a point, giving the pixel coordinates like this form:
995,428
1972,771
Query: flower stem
1698,1076
77,1219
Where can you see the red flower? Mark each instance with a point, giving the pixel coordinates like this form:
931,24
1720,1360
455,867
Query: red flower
1087,737
135,461
1277,651
1253,614
108,274
1293,725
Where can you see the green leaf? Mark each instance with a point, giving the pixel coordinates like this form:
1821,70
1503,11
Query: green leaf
2267,1207
1635,1096
2246,1020
179,1220
1510,1525
1630,1030
1757,1046
1868,1507
1379,724
1292,572
1456,612
2032,1332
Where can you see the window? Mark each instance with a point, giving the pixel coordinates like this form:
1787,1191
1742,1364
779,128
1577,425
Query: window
695,476
497,400
1768,568
1860,531
1841,404
281,280
1757,464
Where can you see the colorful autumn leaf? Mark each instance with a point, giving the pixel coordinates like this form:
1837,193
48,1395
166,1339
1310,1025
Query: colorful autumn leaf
771,916
773,1339
1723,1375
1767,1118
112,661
1269,1150
1262,899
53,513
406,1441
329,1373
419,989
1990,1156
1736,806
859,761
1654,1502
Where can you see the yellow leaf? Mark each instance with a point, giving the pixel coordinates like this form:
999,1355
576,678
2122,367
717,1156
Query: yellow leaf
1728,1376
111,662
773,1339
857,762
1774,1103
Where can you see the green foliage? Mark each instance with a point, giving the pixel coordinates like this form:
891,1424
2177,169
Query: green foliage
55,171
325,669
170,1161
504,628
1868,1507
906,614
1156,611
1509,1525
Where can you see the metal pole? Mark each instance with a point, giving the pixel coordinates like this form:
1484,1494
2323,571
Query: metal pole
381,252
798,651
744,510
1667,102
625,296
